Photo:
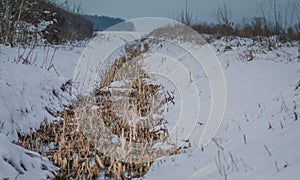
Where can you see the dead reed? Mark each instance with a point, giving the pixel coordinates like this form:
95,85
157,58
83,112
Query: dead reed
114,132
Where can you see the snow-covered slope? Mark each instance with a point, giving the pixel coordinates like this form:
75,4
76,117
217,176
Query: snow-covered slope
26,91
19,163
259,135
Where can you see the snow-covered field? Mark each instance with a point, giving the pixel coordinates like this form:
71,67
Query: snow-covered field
258,138
259,135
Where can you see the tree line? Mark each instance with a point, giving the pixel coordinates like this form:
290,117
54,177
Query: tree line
273,20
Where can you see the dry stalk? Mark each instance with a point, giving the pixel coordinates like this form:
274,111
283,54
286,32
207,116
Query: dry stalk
132,112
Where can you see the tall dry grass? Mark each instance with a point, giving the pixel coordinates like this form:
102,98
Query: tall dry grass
114,132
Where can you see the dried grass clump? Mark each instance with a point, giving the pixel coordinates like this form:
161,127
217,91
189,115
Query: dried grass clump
67,148
116,132
177,32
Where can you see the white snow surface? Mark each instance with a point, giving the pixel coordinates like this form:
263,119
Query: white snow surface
258,138
19,163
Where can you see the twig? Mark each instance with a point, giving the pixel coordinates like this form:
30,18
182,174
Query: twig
284,106
295,113
281,125
218,164
52,66
245,140
268,151
217,144
276,166
233,162
246,166
191,78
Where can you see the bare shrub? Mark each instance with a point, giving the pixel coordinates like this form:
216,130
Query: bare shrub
186,16
223,16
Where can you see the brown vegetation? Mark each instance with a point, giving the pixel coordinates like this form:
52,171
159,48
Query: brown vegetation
91,142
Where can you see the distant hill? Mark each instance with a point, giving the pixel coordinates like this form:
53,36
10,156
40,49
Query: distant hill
101,23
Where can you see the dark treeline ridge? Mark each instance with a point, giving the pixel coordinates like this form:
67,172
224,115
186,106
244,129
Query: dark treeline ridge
28,21
250,29
274,19
101,23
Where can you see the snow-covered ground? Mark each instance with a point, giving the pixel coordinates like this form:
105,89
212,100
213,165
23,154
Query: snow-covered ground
26,91
258,138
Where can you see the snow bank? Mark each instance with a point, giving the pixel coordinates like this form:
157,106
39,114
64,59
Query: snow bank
18,163
25,92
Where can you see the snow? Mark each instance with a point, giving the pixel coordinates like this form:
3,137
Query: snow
99,54
25,91
260,93
18,163
258,137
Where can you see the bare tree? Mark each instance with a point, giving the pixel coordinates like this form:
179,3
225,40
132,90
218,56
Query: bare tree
296,6
8,20
185,16
257,25
262,12
69,5
223,16
277,17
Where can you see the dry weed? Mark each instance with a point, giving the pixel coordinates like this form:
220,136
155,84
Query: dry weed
112,132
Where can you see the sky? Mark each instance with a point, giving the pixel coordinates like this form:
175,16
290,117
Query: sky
202,9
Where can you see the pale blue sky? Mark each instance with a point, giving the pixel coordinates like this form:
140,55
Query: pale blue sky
202,9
